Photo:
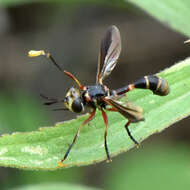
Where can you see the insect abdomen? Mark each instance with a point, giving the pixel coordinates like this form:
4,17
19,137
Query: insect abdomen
158,85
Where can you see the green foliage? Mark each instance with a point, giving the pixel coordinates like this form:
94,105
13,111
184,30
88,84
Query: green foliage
173,13
44,148
152,167
19,110
164,168
20,177
14,2
19,2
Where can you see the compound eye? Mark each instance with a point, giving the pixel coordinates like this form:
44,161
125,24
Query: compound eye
77,105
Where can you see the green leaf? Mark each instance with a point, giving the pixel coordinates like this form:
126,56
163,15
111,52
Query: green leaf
44,148
57,186
173,13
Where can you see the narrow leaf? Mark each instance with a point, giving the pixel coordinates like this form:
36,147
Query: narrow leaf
161,166
173,13
44,148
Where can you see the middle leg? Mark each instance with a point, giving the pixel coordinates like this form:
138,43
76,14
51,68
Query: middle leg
105,135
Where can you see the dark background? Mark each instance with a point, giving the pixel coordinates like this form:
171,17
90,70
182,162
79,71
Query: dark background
72,34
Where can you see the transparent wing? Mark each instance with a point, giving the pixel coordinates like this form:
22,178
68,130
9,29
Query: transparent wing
109,53
128,110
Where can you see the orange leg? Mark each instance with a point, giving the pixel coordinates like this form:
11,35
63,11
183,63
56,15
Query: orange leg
112,109
75,79
76,136
105,135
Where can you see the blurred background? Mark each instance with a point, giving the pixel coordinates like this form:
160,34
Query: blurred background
72,33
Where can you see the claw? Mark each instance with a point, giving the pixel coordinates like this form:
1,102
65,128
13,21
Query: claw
61,164
109,160
138,145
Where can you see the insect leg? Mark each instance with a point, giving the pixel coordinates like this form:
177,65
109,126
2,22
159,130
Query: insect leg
126,126
60,109
75,79
129,133
132,117
34,53
50,100
105,135
60,163
112,109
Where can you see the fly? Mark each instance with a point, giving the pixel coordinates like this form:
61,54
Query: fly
99,96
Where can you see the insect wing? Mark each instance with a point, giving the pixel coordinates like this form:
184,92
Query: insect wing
128,110
109,53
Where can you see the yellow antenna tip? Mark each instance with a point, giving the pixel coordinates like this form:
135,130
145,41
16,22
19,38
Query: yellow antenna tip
187,41
34,53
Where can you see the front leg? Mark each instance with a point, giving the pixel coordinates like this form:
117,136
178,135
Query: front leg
60,163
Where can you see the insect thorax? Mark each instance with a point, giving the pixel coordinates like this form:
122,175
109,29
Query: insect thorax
93,95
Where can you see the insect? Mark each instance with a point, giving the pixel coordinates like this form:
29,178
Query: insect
99,96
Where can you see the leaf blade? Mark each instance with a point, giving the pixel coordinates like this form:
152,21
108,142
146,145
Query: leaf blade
44,148
173,13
